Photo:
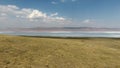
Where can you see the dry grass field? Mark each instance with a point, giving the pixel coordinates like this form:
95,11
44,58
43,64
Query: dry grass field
31,52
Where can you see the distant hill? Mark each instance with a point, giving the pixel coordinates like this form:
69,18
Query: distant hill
62,29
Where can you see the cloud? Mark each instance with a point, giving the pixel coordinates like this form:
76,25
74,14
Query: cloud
13,13
3,14
63,1
88,21
12,6
53,2
37,14
54,14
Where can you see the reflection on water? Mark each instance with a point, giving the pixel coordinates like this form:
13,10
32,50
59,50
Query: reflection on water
67,33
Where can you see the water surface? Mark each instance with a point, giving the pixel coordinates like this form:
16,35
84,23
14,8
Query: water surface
115,34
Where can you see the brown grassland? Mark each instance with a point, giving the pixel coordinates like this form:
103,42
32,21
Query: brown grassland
31,52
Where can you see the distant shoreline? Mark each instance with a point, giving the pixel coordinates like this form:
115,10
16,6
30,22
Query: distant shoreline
68,37
62,37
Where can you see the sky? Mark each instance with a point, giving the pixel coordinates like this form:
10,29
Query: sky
59,13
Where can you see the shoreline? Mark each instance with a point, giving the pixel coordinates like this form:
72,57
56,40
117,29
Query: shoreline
61,37
68,37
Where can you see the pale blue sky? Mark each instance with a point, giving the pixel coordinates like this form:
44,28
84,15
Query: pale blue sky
59,13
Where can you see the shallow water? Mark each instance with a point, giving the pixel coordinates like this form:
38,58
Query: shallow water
115,34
